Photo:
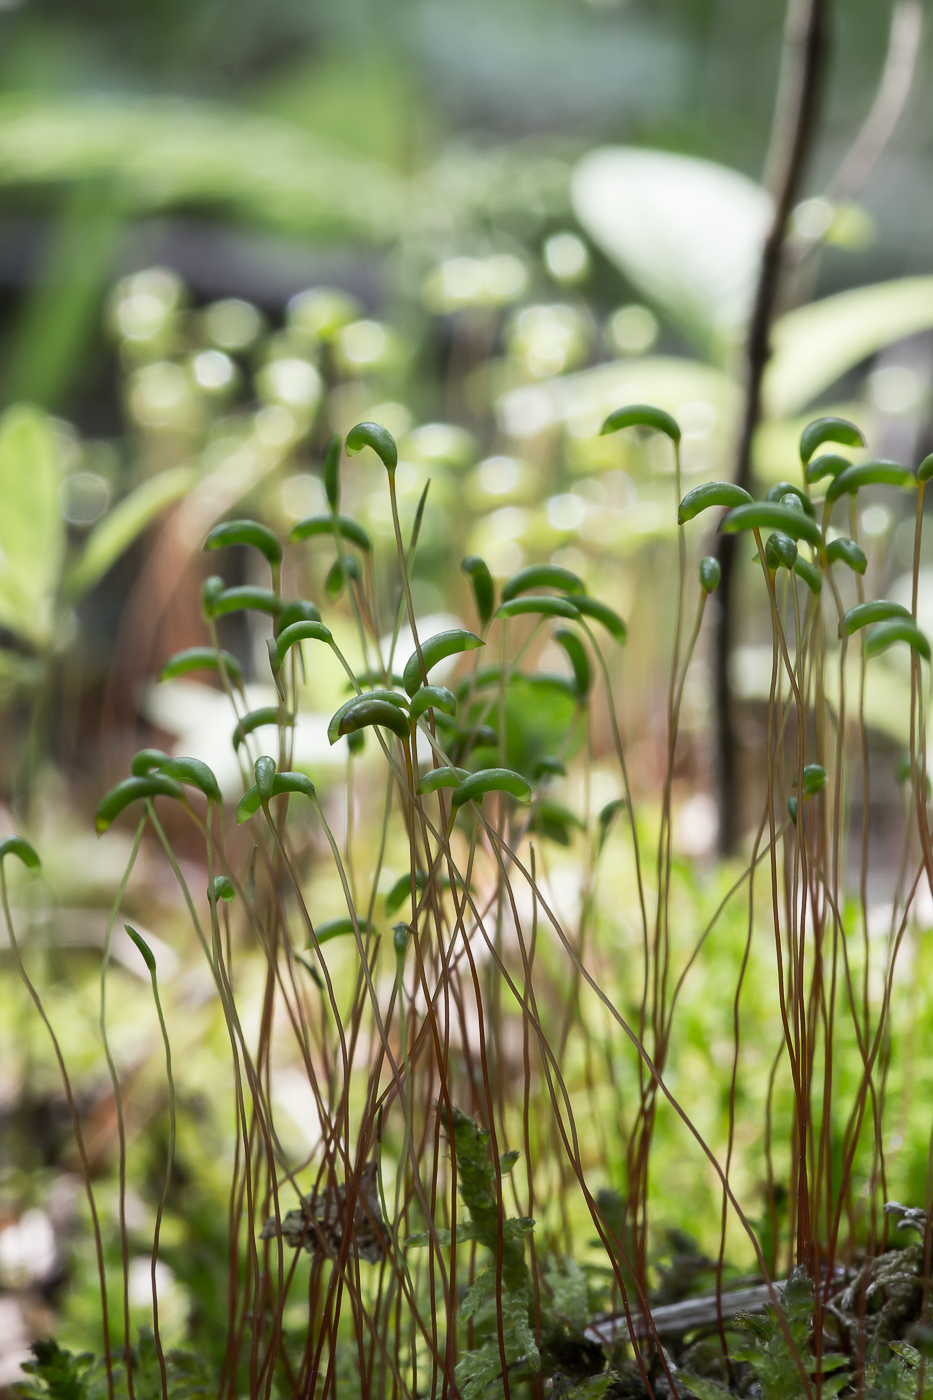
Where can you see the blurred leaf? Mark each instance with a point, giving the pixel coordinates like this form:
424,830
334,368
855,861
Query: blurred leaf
587,397
117,531
686,232
160,152
63,311
32,533
816,344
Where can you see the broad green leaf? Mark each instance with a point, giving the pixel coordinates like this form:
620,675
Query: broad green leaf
117,531
815,345
686,232
32,532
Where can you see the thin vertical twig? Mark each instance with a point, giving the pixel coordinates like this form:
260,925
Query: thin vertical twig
806,39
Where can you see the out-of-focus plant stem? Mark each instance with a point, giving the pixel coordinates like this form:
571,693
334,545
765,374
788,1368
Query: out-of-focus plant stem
806,42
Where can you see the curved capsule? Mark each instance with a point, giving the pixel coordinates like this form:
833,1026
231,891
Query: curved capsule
540,603
576,652
601,612
142,947
264,771
441,778
810,575
391,697
429,697
365,712
201,659
828,429
868,474
484,590
867,614
298,610
435,649
246,532
248,804
292,782
814,779
148,761
344,525
377,437
16,846
830,464
780,489
780,551
257,719
849,553
711,493
131,790
223,889
899,629
298,632
710,572
335,928
542,576
642,415
476,786
236,599
765,515
330,471
195,773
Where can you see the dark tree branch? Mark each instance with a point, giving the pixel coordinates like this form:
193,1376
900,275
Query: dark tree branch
806,35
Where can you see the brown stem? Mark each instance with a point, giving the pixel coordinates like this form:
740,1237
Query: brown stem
805,45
